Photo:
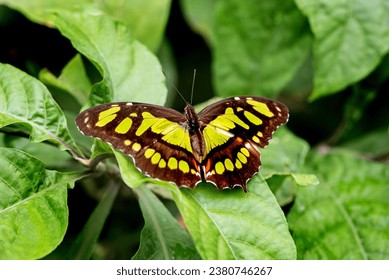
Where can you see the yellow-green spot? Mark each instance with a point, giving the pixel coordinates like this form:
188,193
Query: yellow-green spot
229,114
127,142
176,135
183,166
245,151
238,164
162,163
219,168
136,147
104,121
242,158
256,139
260,134
108,112
228,120
260,107
172,132
172,163
228,164
252,118
149,152
133,114
124,126
155,158
148,121
213,138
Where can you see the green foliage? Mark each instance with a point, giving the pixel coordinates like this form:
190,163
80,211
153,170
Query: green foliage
346,216
34,214
236,225
334,202
162,234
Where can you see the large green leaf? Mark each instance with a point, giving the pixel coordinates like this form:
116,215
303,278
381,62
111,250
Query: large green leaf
73,80
146,19
27,102
33,206
130,72
347,215
351,38
259,46
285,153
282,161
232,224
162,237
200,15
42,11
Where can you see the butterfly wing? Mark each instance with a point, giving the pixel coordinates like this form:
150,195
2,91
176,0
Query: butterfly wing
233,129
154,136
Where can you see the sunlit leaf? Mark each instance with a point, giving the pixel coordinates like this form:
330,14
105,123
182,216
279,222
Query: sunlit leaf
232,224
26,102
130,71
351,38
346,215
33,206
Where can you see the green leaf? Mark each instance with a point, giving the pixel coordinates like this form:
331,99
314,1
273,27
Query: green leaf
305,179
73,79
285,153
42,12
82,247
346,215
282,161
131,176
130,72
162,237
33,206
51,156
232,224
351,38
146,19
259,46
200,16
374,144
26,101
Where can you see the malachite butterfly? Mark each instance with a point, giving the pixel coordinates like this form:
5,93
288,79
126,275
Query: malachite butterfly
218,145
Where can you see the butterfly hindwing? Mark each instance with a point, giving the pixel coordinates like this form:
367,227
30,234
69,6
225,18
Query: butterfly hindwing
152,135
233,164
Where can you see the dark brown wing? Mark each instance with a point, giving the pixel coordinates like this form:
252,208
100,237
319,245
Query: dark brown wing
233,129
154,136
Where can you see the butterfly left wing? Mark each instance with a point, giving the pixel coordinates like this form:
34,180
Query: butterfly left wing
233,129
152,135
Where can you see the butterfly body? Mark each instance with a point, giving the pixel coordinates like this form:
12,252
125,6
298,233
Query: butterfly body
218,145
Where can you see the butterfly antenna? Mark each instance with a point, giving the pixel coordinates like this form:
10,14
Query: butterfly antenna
176,89
193,83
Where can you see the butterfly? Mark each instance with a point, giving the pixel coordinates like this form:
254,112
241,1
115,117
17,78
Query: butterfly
218,145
